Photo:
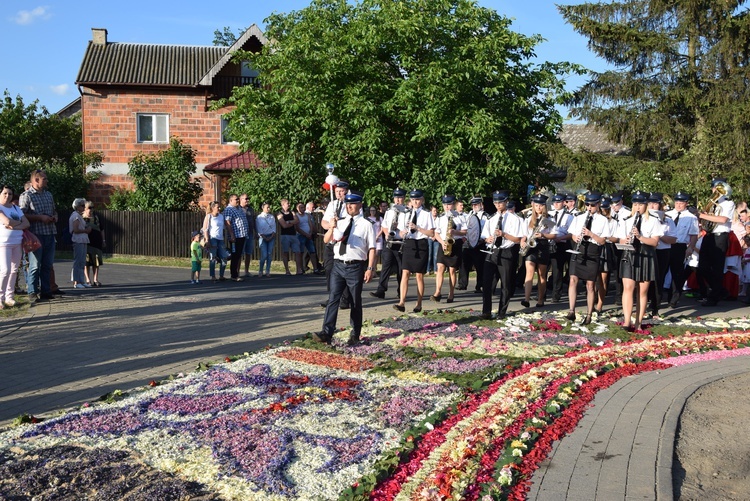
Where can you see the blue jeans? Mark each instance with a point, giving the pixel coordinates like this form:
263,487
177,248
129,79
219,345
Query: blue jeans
266,251
79,262
432,247
218,252
40,266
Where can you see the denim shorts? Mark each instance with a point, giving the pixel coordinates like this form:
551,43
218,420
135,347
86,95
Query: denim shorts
289,241
249,248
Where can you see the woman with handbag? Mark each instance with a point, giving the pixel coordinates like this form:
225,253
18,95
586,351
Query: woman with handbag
12,226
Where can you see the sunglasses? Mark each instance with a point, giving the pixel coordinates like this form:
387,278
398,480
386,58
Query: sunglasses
591,204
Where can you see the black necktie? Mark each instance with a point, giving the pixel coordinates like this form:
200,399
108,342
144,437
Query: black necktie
414,220
614,216
559,217
677,219
347,231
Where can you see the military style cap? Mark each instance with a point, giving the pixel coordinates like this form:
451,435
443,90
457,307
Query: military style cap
639,197
681,196
655,197
617,198
476,199
558,198
539,199
593,197
448,199
606,203
399,192
569,196
416,194
342,184
500,196
353,198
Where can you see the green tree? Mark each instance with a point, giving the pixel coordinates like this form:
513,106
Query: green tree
438,94
677,92
32,138
226,37
163,180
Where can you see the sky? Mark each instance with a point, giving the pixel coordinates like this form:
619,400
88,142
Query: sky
42,43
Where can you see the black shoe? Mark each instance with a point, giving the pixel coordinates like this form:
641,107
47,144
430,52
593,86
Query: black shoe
710,302
571,316
59,292
556,299
379,295
486,316
417,309
525,304
477,291
320,338
353,340
46,295
399,307
587,320
460,288
436,297
345,307
323,305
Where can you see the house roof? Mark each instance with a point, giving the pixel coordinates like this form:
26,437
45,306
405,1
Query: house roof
160,65
239,161
591,138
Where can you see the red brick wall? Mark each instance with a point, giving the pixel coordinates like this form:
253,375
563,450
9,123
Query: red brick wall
109,126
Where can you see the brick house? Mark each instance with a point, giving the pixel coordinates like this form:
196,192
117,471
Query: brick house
134,97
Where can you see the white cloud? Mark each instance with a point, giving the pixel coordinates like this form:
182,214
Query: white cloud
25,17
60,90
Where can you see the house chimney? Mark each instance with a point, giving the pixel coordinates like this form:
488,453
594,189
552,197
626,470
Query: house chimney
99,36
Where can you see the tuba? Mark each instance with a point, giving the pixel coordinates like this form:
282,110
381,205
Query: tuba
712,208
449,240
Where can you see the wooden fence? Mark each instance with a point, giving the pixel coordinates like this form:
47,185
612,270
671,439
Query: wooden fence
158,234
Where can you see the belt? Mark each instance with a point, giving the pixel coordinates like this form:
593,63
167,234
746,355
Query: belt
355,261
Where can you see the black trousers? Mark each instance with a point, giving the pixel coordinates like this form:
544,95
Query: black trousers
677,268
501,267
471,258
345,278
236,259
390,263
559,262
655,291
711,263
328,265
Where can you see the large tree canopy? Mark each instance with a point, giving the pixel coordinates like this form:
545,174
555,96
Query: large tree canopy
679,90
438,94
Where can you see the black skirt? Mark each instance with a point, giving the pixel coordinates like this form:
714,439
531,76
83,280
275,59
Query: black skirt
539,254
639,266
586,264
454,260
608,260
415,255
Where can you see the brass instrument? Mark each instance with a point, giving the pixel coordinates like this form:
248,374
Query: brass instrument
577,249
543,223
449,240
393,237
712,208
581,201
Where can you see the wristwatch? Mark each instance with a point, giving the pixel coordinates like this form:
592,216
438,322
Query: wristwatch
369,268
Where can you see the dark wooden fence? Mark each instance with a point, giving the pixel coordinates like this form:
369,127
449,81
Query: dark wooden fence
158,234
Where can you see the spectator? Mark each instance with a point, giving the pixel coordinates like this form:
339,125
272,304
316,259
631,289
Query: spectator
236,217
79,233
247,251
196,258
289,243
39,207
12,224
213,230
306,233
97,241
265,224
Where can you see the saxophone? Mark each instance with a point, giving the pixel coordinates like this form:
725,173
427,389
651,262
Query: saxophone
393,237
449,241
531,241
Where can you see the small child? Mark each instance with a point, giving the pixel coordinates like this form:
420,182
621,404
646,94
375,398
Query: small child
745,277
196,256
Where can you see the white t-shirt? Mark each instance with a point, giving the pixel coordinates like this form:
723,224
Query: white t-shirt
11,237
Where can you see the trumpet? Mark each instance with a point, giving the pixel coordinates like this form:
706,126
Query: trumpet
577,249
712,208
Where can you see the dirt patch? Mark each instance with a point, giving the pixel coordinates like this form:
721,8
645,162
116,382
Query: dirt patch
712,449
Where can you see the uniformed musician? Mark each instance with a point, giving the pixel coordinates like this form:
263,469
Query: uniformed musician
502,234
540,230
715,242
589,231
663,250
619,213
472,256
686,232
416,226
353,249
391,254
449,227
641,231
561,243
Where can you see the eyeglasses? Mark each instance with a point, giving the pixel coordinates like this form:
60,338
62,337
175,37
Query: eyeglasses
591,204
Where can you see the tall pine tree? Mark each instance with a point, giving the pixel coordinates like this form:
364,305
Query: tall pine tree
678,89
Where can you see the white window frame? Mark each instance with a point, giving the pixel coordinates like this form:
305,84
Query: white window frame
224,123
159,128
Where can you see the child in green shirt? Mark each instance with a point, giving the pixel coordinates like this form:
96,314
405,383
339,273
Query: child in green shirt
196,256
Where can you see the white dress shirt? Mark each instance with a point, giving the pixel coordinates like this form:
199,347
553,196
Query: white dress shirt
424,221
686,226
511,224
361,239
599,225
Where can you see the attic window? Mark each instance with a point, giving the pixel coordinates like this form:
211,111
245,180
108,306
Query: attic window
153,128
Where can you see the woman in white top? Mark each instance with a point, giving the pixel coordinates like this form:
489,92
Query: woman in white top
80,236
537,258
265,225
638,265
12,224
213,227
416,227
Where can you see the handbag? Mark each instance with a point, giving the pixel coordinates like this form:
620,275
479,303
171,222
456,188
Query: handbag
30,242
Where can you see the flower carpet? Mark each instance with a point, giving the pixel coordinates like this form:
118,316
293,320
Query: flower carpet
441,405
